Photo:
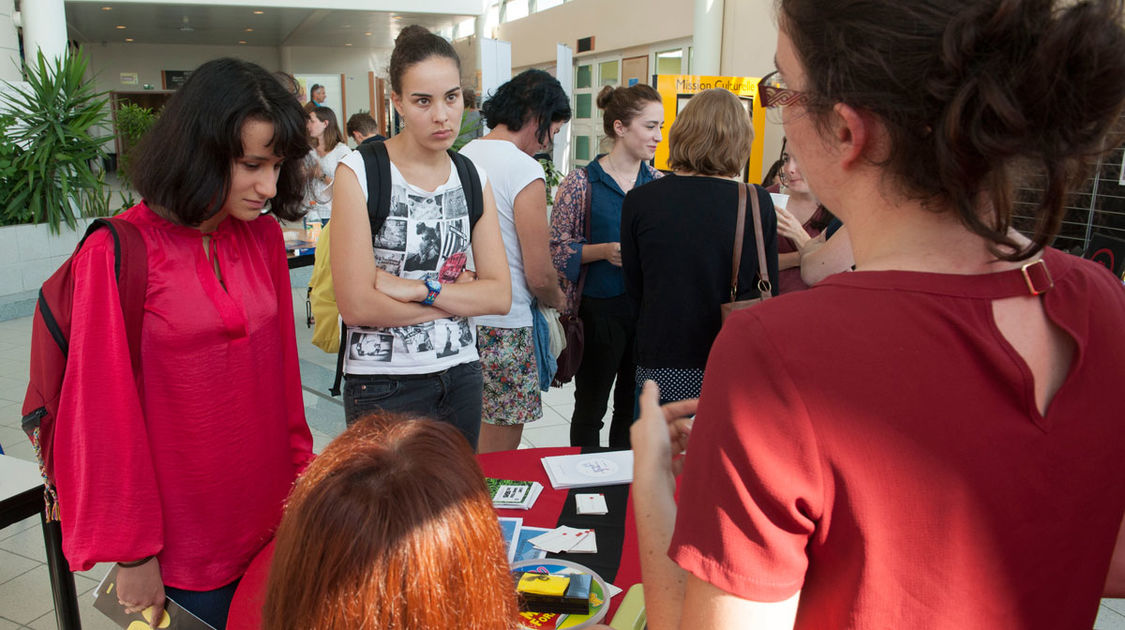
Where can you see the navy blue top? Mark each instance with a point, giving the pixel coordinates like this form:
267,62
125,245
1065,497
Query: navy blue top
603,278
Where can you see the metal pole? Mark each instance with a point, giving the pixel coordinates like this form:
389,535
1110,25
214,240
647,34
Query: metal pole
62,580
1093,198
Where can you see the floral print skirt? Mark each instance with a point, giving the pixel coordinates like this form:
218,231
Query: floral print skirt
511,377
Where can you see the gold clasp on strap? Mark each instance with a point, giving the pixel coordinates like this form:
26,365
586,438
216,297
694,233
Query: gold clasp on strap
1042,281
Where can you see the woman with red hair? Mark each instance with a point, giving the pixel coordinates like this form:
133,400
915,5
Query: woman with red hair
390,527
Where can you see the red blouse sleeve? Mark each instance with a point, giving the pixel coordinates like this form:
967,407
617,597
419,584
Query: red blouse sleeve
752,494
109,505
300,438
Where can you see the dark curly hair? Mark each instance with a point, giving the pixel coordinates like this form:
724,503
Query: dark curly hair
532,96
183,164
976,95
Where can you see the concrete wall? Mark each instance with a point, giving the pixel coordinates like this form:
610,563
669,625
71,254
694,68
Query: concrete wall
353,63
29,254
634,27
617,25
749,40
108,61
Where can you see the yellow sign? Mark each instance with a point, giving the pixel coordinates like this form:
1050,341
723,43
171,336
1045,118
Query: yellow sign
676,89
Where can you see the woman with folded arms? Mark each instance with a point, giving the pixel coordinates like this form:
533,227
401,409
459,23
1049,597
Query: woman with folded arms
403,292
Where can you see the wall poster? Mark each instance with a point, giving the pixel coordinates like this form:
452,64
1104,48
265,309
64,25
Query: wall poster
677,89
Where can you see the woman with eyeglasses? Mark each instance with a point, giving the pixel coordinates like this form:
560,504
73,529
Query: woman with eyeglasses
945,452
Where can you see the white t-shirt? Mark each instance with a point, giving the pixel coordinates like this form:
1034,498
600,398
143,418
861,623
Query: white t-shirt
319,195
424,229
512,170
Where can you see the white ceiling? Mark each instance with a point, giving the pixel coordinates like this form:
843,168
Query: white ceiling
211,24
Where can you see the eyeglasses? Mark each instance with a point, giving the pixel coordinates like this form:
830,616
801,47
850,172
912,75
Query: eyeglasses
775,95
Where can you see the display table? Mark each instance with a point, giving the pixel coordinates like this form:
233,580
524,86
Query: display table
21,496
617,560
300,255
618,557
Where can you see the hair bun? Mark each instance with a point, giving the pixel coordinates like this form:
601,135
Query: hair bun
411,32
1081,61
605,96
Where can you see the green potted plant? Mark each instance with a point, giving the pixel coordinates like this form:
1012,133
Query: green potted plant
57,175
133,122
552,177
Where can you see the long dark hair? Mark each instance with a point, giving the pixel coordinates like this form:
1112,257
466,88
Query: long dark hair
183,164
976,95
533,96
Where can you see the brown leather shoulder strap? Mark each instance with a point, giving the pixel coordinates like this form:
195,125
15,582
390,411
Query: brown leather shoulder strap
739,228
765,290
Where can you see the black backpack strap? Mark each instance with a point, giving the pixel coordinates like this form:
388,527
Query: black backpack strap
470,185
335,390
377,165
130,269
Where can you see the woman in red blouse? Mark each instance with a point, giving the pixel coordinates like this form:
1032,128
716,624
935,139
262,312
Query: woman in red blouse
179,472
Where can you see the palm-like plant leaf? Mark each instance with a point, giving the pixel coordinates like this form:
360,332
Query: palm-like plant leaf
53,117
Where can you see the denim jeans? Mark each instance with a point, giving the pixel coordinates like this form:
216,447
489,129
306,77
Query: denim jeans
452,395
210,606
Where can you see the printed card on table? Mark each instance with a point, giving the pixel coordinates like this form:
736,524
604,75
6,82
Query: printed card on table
510,528
591,504
524,549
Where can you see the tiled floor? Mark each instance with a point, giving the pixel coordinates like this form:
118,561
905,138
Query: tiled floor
25,594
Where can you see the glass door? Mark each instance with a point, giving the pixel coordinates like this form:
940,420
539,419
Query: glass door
587,136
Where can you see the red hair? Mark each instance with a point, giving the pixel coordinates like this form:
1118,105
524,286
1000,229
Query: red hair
391,527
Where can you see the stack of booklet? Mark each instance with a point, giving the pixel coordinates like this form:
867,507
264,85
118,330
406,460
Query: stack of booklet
589,469
508,494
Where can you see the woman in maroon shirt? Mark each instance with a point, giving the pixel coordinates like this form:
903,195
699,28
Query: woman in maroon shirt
946,453
799,221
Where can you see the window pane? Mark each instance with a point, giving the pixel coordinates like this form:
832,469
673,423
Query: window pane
547,4
668,62
583,105
582,148
516,9
492,21
583,79
607,73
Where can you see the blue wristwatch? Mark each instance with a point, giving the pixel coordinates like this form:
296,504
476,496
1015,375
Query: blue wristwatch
434,288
